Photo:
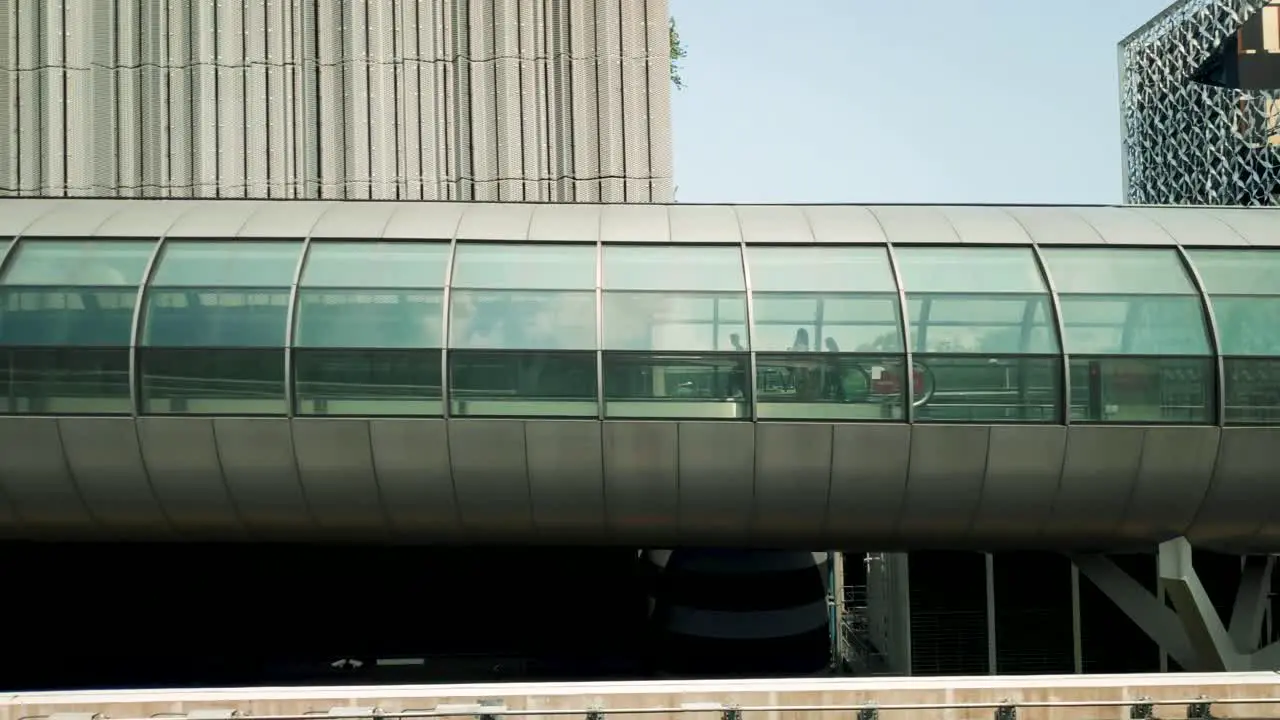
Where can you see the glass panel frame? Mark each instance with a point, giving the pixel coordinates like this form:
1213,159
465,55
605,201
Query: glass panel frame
78,262
854,322
1018,388
836,270
982,324
65,381
365,382
984,270
212,381
1117,271
522,383
1135,325
67,316
1252,390
672,269
838,387
368,266
676,386
553,320
216,317
523,266
674,322
227,264
1143,390
387,318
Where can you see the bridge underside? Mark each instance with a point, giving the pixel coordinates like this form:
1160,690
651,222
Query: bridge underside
640,484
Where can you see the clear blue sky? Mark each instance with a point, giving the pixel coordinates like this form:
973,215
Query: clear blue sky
901,100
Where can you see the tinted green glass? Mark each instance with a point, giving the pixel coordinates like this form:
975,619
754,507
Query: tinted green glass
1142,390
1134,325
69,263
676,268
711,386
826,386
968,270
390,265
367,382
516,320
1248,325
1253,391
675,322
65,381
246,264
995,324
522,384
215,317
1238,272
1117,271
820,269
525,267
830,323
74,317
212,382
373,318
995,389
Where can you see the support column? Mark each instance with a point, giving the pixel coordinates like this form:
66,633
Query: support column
1077,645
991,614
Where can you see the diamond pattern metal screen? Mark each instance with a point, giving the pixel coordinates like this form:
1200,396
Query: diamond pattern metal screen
1189,143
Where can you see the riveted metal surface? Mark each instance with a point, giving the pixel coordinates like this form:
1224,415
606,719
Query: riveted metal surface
354,221
411,459
868,484
491,477
182,462
908,225
37,480
642,481
261,471
944,482
283,220
1192,228
424,221
716,466
566,479
335,465
844,224
1022,471
1243,495
1173,477
1124,227
792,480
773,224
1098,477
635,223
496,221
1258,229
984,225
1056,226
574,223
106,462
704,224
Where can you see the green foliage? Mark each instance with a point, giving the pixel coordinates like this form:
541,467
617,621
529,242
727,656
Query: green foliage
677,54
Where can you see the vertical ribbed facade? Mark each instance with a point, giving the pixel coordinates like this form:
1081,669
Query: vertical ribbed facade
508,100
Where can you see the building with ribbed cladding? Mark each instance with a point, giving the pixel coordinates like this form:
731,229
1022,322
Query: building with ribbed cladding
501,100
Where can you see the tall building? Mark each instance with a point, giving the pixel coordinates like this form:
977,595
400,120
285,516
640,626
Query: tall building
1199,85
526,100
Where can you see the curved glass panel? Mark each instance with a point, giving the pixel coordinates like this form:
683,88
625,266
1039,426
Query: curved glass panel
802,322
988,389
65,381
522,384
245,264
1244,290
1134,325
1238,272
218,382
215,317
67,316
522,320
70,263
675,322
673,268
981,324
827,386
983,270
390,265
1117,271
371,318
1142,390
1253,391
1248,326
506,266
638,385
820,270
367,382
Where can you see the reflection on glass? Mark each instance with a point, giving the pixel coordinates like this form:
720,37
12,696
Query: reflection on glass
1142,390
214,317
675,322
824,386
368,265
989,389
1117,271
69,263
676,386
1134,325
212,382
1248,325
983,324
1253,391
678,268
984,270
67,316
189,263
1238,272
525,267
367,382
65,381
522,384
832,323
820,270
373,318
522,320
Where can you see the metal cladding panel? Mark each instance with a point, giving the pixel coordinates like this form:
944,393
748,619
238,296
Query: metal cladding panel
944,484
283,220
17,215
767,224
105,460
75,221
868,484
844,224
335,464
642,481
1056,226
1192,227
1240,509
491,478
792,481
496,221
1259,229
717,469
635,223
213,220
358,221
182,462
424,221
411,458
985,225
258,463
37,479
704,224
1024,465
144,218
1098,477
574,223
566,479
1123,226
915,224
1173,477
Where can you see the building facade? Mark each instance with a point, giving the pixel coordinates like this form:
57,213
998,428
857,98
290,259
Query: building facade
557,100
1199,85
